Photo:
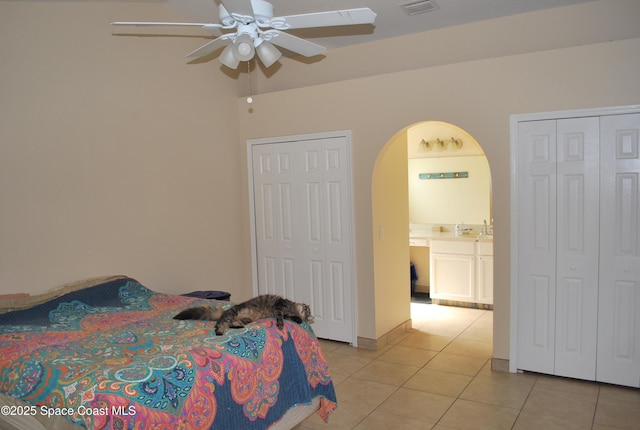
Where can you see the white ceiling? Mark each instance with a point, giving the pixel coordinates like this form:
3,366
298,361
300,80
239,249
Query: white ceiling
391,18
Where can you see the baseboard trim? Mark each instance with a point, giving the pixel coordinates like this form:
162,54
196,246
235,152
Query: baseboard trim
385,339
500,365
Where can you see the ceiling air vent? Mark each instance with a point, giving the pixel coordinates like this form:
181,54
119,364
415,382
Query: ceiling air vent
419,6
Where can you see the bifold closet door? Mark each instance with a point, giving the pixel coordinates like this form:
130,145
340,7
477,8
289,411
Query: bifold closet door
619,286
558,246
303,229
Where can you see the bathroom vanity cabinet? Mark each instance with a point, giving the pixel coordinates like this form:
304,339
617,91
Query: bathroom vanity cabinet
462,270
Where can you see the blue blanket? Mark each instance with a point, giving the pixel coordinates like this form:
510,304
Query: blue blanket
112,357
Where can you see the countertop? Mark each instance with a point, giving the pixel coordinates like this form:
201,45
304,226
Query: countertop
473,236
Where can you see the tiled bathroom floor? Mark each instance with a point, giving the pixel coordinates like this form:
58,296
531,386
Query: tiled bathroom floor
439,377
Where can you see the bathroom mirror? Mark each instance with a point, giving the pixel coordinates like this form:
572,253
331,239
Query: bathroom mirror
449,177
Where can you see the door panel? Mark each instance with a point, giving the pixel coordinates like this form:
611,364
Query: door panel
537,246
577,245
619,294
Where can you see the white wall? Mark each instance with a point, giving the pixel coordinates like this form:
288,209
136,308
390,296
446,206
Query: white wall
116,155
450,201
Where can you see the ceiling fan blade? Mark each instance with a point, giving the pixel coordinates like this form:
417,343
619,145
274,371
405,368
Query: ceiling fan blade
208,48
362,15
293,43
238,7
206,26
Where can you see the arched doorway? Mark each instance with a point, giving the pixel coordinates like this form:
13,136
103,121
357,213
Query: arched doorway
446,148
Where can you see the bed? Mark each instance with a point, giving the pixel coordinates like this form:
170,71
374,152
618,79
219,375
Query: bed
106,354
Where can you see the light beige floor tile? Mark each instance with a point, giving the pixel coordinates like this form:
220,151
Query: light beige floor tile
568,385
425,341
501,389
578,407
409,356
618,407
444,328
618,393
417,405
487,370
487,316
601,427
455,363
386,372
329,345
537,421
361,392
360,352
478,333
470,347
398,339
338,378
467,415
345,417
438,382
385,421
456,388
345,364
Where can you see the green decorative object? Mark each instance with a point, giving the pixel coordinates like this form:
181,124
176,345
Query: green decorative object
443,175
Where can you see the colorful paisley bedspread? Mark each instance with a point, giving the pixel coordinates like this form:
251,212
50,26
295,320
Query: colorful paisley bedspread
112,357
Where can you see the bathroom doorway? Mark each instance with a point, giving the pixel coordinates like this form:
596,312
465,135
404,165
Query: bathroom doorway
449,193
390,201
450,205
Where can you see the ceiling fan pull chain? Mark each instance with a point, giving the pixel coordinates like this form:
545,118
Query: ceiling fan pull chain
249,99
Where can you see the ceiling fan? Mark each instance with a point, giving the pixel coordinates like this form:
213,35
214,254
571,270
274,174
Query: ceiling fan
256,30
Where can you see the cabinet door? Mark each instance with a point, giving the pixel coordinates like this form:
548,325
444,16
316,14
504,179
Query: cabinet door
619,293
484,272
484,278
452,277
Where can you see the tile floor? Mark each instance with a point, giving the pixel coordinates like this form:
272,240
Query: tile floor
439,377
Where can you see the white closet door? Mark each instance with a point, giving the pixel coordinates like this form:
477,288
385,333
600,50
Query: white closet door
326,247
536,245
303,232
577,247
558,246
274,188
619,314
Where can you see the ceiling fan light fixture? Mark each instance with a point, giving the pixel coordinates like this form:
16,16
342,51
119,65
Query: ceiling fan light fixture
251,23
228,58
267,53
243,48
